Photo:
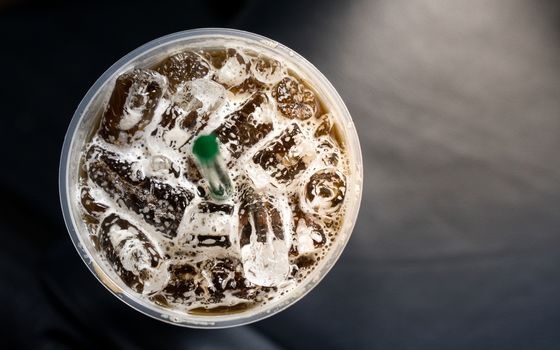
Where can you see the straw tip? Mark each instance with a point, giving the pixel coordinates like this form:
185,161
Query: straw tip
205,147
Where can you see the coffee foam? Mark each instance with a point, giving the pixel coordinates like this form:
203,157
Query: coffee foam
152,156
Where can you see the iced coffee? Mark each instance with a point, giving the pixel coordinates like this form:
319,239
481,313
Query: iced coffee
150,212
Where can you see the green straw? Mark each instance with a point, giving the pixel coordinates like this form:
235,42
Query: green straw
207,152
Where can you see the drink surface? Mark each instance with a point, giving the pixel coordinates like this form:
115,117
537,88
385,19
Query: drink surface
149,212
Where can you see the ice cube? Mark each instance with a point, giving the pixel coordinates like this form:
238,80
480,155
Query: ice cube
161,166
182,67
259,177
234,69
266,70
286,155
160,163
245,127
324,191
262,72
247,87
330,154
189,111
264,240
210,281
324,127
330,130
294,99
327,135
90,205
112,160
209,93
159,204
132,104
210,225
181,283
132,255
310,235
218,276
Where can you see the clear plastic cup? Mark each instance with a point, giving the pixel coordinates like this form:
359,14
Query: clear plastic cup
83,124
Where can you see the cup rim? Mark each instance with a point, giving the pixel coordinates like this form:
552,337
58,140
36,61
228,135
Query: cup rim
149,309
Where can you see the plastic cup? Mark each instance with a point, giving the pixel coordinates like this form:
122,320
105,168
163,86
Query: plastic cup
83,124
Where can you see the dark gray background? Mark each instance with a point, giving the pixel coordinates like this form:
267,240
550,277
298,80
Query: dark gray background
457,104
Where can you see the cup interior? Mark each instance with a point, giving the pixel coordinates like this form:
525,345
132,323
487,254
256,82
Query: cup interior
84,122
